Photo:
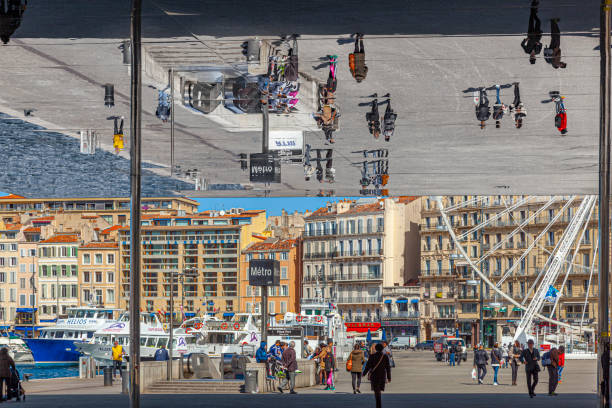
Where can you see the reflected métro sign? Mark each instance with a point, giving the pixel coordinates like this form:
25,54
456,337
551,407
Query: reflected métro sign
265,168
264,272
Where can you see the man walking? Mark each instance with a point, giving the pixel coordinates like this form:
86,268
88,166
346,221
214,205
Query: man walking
373,119
357,65
532,45
458,353
452,350
118,354
555,44
483,112
290,363
389,121
530,357
498,108
553,371
480,362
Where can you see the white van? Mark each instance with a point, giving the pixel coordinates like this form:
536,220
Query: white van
403,342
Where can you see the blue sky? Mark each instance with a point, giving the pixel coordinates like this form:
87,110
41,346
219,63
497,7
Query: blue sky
272,205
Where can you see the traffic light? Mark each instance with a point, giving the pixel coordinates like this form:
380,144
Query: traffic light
243,162
109,95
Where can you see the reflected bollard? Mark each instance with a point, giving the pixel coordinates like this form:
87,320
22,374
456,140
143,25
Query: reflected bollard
108,376
125,381
181,367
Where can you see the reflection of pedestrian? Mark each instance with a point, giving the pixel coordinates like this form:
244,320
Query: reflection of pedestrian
357,60
118,134
498,108
389,121
483,112
308,168
555,44
11,12
332,82
561,115
517,109
532,44
373,119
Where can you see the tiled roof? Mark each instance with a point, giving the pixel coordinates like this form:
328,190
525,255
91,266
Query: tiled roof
11,197
101,245
61,239
32,229
12,227
110,229
281,245
43,219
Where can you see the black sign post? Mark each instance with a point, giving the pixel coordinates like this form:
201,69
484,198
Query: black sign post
264,273
264,168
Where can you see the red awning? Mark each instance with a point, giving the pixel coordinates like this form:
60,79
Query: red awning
362,327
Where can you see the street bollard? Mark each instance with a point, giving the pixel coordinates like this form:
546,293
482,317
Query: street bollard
108,376
125,381
181,365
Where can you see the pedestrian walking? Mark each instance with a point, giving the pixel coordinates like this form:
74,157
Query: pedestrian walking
515,354
373,119
118,353
496,361
553,370
483,112
357,65
498,108
458,353
118,133
357,360
332,82
530,357
380,373
161,354
451,351
561,361
504,351
11,13
480,363
532,45
387,349
553,52
6,364
517,109
289,363
560,114
290,72
389,120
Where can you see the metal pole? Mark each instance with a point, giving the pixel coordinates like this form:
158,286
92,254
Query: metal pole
171,121
481,313
264,313
135,208
603,372
171,324
266,122
33,302
57,292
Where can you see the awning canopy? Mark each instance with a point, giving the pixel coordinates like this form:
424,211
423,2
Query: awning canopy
387,301
228,314
189,314
401,301
503,309
487,308
26,310
5,327
516,309
48,320
414,301
27,328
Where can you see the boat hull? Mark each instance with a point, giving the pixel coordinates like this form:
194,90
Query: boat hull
53,351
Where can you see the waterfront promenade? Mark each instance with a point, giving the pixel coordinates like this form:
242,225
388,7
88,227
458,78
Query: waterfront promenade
417,380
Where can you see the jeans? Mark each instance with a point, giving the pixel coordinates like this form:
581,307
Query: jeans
495,371
356,380
532,380
377,397
289,378
560,371
452,359
514,365
482,371
497,101
117,365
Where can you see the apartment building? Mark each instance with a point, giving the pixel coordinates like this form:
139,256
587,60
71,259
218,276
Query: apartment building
98,265
9,285
207,244
283,298
27,289
451,292
58,275
352,249
401,309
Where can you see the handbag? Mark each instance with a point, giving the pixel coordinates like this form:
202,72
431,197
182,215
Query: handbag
329,378
349,364
375,367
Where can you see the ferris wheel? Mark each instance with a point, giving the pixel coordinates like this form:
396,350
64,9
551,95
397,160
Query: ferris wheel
539,216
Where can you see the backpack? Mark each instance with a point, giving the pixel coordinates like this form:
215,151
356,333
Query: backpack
548,55
558,120
546,361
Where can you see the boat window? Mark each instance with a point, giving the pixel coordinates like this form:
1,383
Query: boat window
101,339
79,313
162,341
90,334
143,341
59,334
71,313
173,343
91,313
151,342
190,340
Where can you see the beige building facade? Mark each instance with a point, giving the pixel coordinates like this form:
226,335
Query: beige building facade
99,274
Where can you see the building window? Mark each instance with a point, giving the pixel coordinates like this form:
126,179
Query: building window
86,259
110,296
86,278
110,259
271,307
283,272
98,277
22,283
284,290
284,256
283,306
22,300
86,295
110,277
98,259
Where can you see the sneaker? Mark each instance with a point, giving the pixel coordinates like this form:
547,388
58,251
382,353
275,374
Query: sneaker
326,388
495,383
279,389
333,388
292,392
298,371
479,381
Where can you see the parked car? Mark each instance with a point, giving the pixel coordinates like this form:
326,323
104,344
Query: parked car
444,342
425,345
403,342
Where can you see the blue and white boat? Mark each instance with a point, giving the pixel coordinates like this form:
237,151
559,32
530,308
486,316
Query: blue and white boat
56,344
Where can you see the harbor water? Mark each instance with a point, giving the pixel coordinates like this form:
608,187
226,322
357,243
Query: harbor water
42,372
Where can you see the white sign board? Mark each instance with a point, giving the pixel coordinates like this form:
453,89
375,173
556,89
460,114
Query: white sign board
181,345
286,140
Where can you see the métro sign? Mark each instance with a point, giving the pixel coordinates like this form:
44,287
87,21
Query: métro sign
265,168
264,272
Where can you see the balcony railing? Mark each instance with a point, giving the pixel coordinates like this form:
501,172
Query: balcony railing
357,253
359,299
401,315
356,276
362,319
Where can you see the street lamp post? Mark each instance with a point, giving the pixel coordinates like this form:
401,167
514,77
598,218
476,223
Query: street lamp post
189,272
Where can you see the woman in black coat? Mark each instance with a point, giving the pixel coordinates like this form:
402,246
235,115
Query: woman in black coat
6,363
380,372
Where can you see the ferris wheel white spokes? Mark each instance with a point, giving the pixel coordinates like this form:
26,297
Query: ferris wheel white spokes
559,256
